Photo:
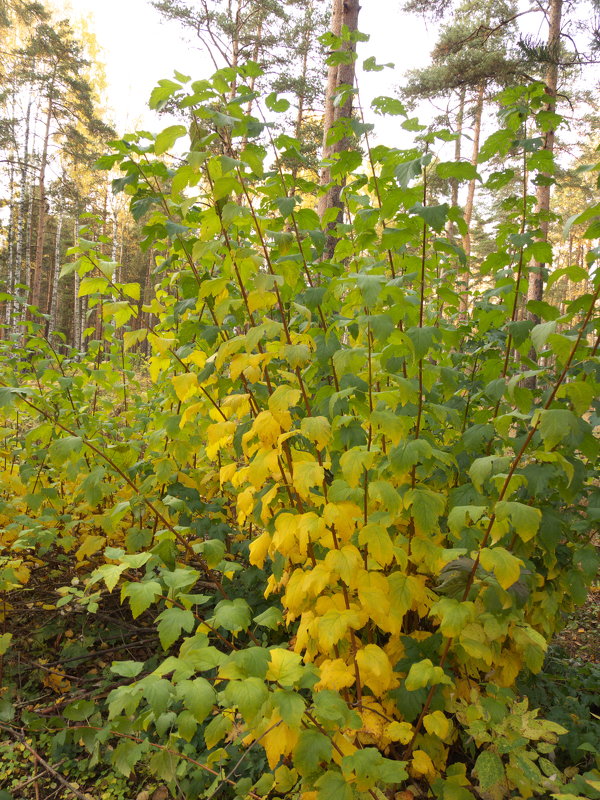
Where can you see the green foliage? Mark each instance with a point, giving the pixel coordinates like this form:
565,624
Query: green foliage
328,495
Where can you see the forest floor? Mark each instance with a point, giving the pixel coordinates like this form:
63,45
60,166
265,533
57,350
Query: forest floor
72,659
581,635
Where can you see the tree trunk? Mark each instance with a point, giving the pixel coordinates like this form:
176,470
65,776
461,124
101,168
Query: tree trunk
22,262
460,117
36,288
470,201
344,12
535,289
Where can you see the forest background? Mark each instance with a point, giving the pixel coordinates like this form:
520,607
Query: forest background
307,368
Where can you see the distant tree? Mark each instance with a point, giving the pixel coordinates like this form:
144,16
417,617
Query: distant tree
57,64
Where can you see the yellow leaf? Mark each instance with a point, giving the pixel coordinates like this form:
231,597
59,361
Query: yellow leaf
249,364
160,344
285,538
236,404
438,724
89,546
317,429
185,385
278,741
257,299
375,669
266,427
335,674
399,732
347,562
354,462
281,400
342,517
190,412
285,667
378,542
306,475
245,504
505,566
258,550
130,338
197,357
374,723
421,765
303,585
57,681
374,595
334,625
219,435
227,472
156,366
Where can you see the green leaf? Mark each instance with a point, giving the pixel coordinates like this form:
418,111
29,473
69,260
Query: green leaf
426,508
333,712
313,747
388,105
408,170
92,286
141,595
489,770
276,104
233,615
198,697
541,252
62,449
435,216
164,765
424,673
371,65
249,695
333,786
290,705
126,755
271,618
460,170
540,333
171,622
217,729
167,138
8,394
157,693
186,725
285,205
556,424
524,519
5,639
453,614
127,669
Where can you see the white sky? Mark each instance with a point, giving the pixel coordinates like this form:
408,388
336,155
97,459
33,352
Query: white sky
138,48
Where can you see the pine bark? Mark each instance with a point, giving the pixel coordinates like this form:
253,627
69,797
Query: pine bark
36,288
460,118
470,201
535,289
343,12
